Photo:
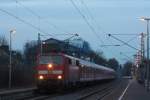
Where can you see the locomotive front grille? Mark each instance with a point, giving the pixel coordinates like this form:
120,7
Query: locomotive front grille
57,72
43,72
50,72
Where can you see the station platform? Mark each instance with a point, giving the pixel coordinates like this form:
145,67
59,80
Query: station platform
13,90
135,91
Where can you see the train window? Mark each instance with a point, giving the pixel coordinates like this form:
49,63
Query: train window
73,62
82,65
77,62
55,59
69,61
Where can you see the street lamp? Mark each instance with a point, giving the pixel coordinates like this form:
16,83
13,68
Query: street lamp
147,20
10,60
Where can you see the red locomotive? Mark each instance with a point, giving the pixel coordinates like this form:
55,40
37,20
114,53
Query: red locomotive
57,69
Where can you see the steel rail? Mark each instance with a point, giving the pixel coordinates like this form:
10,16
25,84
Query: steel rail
101,92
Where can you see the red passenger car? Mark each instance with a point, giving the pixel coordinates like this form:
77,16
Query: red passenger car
56,70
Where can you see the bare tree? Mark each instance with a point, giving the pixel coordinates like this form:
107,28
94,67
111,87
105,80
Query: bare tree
30,52
113,63
127,68
3,41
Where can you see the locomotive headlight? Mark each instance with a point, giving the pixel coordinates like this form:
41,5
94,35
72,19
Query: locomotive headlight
41,77
59,77
50,66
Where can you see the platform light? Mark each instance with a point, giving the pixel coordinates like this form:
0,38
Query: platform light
59,77
147,19
41,77
13,31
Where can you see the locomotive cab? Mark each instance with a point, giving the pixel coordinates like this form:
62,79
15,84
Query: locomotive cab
50,70
58,71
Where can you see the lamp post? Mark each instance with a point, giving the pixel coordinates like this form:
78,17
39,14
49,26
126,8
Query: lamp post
147,75
10,54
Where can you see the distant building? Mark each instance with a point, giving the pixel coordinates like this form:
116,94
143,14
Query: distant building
54,45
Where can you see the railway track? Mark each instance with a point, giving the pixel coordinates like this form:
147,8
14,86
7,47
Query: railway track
16,94
96,95
41,97
24,94
87,93
100,93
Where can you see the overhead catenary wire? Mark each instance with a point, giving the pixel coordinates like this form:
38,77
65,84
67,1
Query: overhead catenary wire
127,42
123,42
133,38
82,1
86,21
87,9
127,57
91,16
100,29
23,21
28,9
127,34
94,21
110,49
40,17
96,24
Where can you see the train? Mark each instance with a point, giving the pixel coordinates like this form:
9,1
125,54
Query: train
57,70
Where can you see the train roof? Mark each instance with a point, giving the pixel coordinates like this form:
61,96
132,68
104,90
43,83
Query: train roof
90,64
84,62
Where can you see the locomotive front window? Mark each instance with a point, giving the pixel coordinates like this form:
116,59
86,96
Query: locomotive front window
56,60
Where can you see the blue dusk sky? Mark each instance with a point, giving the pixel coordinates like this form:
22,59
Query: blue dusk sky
61,17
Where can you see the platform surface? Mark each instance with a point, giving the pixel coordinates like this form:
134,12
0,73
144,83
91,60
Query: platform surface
135,91
12,90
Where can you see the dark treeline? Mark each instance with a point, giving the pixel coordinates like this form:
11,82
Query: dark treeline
31,51
127,68
22,72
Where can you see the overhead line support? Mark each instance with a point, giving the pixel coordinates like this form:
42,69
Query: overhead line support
123,42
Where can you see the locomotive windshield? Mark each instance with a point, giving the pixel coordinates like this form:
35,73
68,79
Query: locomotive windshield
54,59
